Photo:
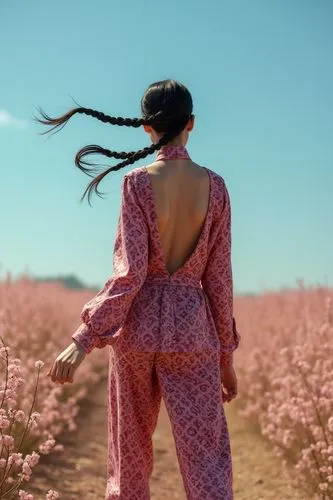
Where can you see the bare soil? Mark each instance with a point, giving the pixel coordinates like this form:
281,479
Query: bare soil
80,471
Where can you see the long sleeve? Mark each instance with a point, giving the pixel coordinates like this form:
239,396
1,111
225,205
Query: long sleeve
217,282
105,313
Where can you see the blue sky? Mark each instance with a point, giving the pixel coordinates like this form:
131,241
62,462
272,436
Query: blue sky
261,77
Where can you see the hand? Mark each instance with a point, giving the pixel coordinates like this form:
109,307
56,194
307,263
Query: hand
229,382
66,363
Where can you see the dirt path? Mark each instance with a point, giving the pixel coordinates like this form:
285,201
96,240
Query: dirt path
79,472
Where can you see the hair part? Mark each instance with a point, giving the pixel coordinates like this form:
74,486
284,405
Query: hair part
166,106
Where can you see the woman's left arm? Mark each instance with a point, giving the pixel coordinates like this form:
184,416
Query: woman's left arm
105,313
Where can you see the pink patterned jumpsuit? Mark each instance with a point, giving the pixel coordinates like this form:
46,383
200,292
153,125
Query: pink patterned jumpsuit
167,335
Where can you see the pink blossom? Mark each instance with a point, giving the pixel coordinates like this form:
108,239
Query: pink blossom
23,495
35,416
4,422
26,469
19,415
3,351
46,447
15,458
52,495
7,440
32,459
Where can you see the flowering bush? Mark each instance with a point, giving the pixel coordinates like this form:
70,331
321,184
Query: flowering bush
285,369
36,322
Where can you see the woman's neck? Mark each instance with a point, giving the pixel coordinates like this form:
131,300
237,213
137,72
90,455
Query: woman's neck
175,142
173,152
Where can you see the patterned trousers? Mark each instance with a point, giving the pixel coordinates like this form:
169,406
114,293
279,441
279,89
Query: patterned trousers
190,385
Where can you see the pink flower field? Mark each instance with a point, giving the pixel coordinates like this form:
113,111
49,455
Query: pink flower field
285,373
284,366
36,322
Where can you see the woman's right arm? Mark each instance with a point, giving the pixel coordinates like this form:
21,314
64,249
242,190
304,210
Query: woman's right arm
217,282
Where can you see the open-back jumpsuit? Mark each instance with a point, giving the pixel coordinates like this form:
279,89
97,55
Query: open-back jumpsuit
167,334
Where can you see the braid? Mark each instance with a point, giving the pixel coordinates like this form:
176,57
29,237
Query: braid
95,149
130,157
127,122
159,119
113,120
151,149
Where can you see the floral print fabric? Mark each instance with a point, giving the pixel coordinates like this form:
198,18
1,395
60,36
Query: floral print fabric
190,386
142,307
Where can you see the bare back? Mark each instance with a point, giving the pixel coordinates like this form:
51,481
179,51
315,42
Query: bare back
181,190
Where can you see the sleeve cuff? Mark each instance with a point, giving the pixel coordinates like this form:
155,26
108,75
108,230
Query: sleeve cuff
85,337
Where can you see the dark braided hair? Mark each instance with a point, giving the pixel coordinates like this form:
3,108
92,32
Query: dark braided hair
166,106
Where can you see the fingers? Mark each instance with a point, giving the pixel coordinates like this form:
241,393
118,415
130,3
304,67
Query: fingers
68,373
232,392
49,372
232,395
226,398
66,363
58,372
61,372
52,372
229,395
